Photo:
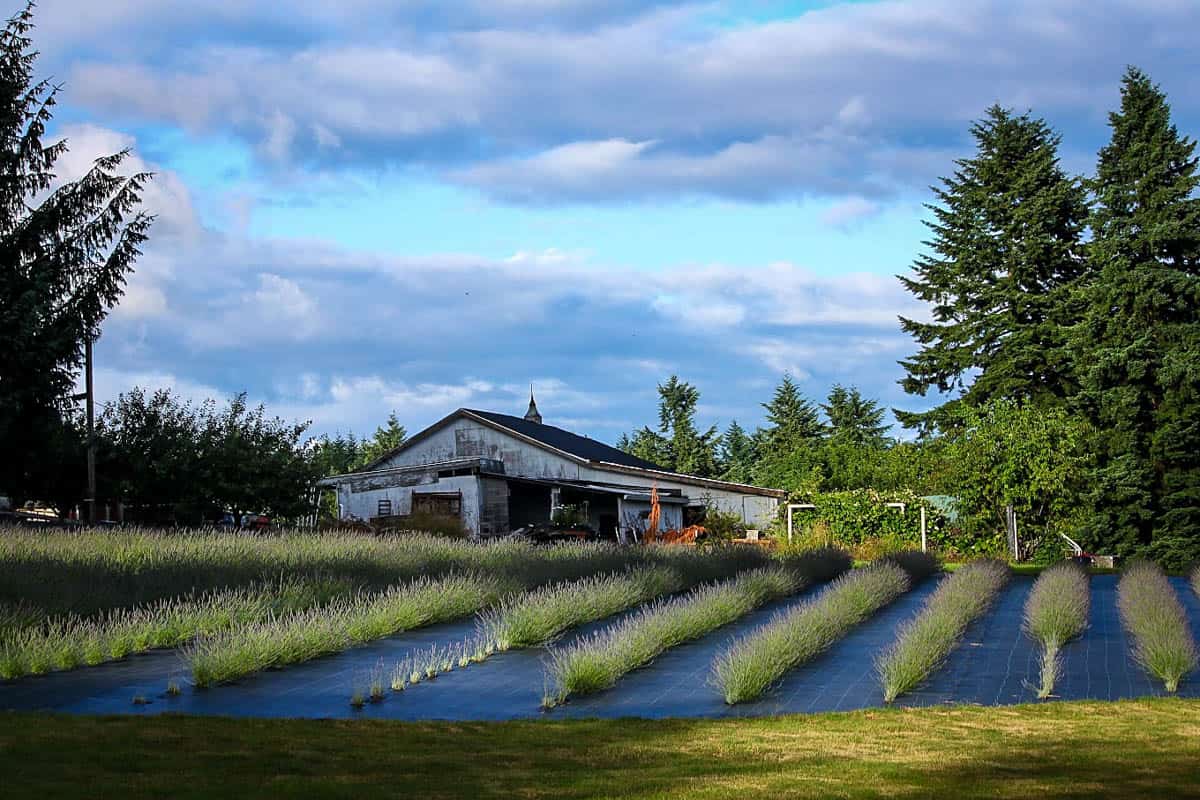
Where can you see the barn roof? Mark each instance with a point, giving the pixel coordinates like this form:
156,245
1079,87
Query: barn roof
573,443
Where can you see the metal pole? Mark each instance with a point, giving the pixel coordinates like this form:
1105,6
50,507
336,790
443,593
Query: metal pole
91,431
924,546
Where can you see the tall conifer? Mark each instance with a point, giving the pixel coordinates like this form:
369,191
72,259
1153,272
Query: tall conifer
1005,251
1138,347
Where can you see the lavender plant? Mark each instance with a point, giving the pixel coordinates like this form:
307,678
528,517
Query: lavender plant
924,641
1151,612
753,663
1055,613
234,653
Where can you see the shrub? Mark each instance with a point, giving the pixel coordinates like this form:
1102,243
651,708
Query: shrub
73,641
752,664
1055,613
234,653
924,642
1154,617
596,662
537,617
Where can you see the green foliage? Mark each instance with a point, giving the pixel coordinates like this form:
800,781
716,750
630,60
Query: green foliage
1006,251
174,462
537,617
1151,612
386,439
66,249
596,662
1011,454
1056,611
753,663
853,419
243,650
861,518
738,454
924,642
677,445
1138,348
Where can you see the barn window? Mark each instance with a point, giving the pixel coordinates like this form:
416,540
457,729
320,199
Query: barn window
445,504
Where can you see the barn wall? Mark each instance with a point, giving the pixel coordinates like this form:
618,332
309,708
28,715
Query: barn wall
360,499
465,438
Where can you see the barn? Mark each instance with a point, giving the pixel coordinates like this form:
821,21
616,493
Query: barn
497,473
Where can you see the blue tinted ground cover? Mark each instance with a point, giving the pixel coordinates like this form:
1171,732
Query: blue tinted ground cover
995,665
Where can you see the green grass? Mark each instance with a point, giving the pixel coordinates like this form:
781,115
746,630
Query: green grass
236,652
753,663
1147,748
597,662
1151,612
1056,611
924,642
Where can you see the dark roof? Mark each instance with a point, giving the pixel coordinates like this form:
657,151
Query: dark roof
566,441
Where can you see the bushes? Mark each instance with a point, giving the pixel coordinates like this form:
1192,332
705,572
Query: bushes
1154,617
537,617
241,651
85,572
753,663
1055,613
599,661
926,640
73,641
861,521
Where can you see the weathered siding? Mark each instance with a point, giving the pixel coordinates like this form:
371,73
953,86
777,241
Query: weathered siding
464,438
485,499
363,503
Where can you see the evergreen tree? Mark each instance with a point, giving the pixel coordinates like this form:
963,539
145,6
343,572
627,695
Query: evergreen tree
63,265
692,452
1138,348
853,419
386,439
1006,251
795,422
677,445
738,454
648,445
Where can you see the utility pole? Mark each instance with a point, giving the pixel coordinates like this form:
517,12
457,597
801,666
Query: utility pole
90,388
89,395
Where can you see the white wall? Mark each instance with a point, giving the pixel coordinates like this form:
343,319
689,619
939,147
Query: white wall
365,504
465,438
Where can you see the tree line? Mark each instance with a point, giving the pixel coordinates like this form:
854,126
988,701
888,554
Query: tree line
1077,296
1063,345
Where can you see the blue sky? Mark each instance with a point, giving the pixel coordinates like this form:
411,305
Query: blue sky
422,205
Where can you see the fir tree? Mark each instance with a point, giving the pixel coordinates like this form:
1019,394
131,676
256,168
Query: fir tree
853,419
795,422
387,438
677,445
1004,255
1138,347
63,264
738,454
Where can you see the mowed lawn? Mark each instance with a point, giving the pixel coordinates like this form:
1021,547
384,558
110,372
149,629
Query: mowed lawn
1122,749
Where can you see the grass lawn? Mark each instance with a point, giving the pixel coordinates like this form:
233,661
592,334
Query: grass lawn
1123,749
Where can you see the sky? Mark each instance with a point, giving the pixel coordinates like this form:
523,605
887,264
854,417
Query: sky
414,205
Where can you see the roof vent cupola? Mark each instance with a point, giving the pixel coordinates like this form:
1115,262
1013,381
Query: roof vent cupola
532,414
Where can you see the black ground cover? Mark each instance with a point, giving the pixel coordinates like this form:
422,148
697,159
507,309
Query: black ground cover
995,665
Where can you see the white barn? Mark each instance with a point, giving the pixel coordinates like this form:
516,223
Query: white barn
498,473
